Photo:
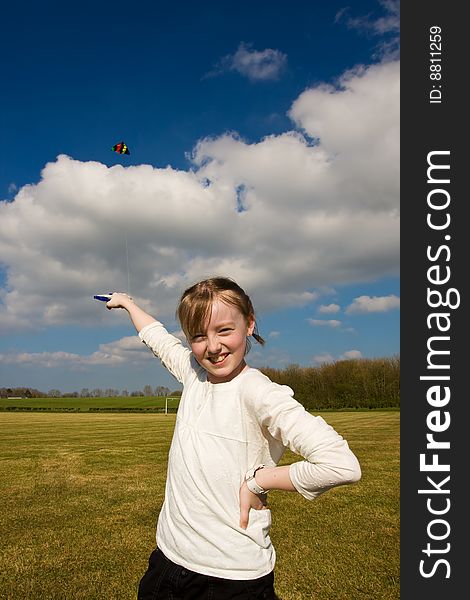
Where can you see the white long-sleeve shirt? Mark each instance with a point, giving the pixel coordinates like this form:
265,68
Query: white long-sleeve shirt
221,431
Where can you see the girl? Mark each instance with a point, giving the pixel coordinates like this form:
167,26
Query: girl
232,427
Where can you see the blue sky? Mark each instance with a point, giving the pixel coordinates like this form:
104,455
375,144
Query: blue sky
264,146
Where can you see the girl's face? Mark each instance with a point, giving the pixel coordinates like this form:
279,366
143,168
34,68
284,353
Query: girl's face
220,349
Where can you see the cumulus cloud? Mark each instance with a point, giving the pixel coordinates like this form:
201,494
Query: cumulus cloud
351,355
124,351
329,308
324,323
326,357
315,214
356,122
257,65
374,304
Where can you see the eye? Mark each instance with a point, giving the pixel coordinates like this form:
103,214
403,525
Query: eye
226,330
197,338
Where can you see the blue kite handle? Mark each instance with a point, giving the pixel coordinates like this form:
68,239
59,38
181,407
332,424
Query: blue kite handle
103,297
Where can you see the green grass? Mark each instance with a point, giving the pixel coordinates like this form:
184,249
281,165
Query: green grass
80,494
86,404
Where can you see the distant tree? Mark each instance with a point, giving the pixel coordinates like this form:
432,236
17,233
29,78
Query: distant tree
97,393
148,391
136,393
161,390
23,392
124,393
85,393
54,393
176,393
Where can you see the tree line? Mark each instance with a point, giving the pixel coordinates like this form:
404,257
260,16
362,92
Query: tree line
146,391
363,383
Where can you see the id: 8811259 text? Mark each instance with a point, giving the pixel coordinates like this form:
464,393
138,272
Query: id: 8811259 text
435,64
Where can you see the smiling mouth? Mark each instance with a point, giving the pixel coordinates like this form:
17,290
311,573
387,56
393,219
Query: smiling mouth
217,360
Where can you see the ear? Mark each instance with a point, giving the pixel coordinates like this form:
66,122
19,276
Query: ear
251,326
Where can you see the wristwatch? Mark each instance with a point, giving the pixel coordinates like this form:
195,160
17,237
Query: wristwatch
251,481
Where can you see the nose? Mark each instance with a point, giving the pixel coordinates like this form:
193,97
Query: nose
213,344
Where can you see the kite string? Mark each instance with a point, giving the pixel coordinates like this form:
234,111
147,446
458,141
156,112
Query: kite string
127,262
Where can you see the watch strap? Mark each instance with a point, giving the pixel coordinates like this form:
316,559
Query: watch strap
251,481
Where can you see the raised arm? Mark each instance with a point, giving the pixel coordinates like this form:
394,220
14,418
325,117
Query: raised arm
167,347
138,316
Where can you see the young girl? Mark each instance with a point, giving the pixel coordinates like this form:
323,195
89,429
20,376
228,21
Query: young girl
232,427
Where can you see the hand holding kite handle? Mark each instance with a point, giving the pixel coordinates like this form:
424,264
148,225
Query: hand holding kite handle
115,299
138,316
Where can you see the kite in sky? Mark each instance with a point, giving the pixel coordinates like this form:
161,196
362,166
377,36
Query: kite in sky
121,148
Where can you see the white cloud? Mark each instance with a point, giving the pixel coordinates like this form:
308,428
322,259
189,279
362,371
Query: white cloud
326,357
274,334
374,304
324,323
316,215
124,351
257,65
329,308
320,359
391,21
387,23
357,124
351,355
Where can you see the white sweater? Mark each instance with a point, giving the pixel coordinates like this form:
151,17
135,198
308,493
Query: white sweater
221,431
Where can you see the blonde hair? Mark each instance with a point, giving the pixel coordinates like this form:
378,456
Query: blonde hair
195,305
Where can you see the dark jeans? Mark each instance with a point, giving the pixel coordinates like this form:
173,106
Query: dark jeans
164,580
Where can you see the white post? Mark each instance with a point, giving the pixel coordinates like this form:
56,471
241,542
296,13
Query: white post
166,402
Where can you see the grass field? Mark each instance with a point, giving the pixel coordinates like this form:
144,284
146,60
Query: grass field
140,403
80,494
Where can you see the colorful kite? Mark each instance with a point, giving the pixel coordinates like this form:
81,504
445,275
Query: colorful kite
121,148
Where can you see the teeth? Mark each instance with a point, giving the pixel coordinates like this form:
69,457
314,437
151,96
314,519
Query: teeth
218,359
